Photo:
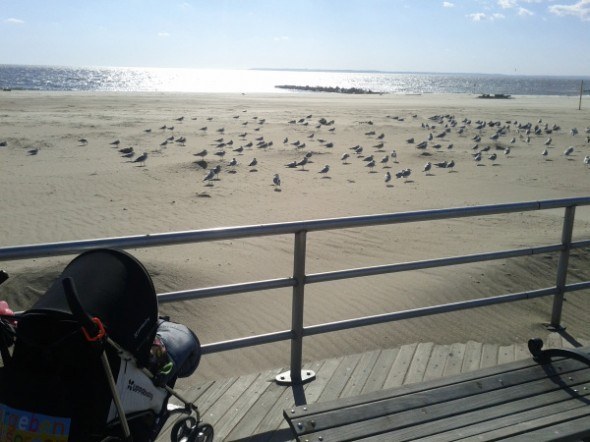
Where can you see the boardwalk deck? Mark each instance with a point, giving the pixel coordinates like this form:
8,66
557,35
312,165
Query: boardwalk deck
249,408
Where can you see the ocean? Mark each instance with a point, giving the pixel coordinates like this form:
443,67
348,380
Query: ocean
56,78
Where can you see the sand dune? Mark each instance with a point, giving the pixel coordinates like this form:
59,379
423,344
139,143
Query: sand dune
72,190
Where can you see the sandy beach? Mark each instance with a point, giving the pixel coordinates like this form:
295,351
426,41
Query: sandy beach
72,190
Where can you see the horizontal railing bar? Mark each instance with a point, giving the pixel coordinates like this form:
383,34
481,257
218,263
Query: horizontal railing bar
425,311
577,286
225,233
249,341
388,317
438,262
580,244
208,292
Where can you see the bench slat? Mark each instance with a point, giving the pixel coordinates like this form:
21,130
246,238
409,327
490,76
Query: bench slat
473,402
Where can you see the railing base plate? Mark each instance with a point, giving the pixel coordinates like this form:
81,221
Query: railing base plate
285,378
554,328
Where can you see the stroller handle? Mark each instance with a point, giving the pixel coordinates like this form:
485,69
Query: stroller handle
76,307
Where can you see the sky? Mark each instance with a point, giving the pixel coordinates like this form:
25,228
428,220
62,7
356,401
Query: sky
515,37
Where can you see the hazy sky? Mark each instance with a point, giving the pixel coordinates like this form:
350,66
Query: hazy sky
538,37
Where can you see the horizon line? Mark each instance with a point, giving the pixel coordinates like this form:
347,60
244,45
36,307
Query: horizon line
291,69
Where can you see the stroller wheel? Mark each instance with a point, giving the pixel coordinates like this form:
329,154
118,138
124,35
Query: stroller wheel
185,430
205,433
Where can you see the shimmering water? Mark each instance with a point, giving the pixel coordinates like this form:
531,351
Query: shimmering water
54,78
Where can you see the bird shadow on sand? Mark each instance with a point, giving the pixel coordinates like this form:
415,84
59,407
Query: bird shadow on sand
232,171
203,195
496,165
278,189
408,181
253,170
373,171
390,186
326,178
302,170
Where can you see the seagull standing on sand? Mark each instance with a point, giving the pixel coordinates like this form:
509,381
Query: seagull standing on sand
210,175
325,169
545,153
253,163
276,181
141,159
387,177
345,157
569,151
427,167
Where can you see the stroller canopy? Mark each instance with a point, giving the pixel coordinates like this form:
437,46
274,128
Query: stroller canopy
115,287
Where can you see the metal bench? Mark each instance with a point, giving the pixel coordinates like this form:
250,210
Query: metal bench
546,397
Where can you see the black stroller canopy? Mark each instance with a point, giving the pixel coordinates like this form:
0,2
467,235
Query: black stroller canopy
115,287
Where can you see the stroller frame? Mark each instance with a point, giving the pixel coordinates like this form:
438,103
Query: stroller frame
188,429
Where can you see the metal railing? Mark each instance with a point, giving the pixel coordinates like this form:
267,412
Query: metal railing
300,279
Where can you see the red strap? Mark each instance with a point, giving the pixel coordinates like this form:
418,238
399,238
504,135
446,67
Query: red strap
101,331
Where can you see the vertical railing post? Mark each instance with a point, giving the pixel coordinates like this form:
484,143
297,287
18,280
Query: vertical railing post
566,240
296,375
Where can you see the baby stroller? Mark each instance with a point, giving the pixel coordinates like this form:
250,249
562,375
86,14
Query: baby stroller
92,361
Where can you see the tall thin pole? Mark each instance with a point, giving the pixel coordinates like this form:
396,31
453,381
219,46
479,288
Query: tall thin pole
581,92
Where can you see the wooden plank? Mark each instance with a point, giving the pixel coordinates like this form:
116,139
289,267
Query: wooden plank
380,370
339,378
217,410
245,403
495,423
575,429
360,374
521,351
454,360
558,422
505,354
482,391
413,388
206,400
400,366
416,410
489,355
419,363
437,361
472,356
273,419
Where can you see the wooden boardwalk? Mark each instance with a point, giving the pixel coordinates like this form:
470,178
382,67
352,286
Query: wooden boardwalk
249,408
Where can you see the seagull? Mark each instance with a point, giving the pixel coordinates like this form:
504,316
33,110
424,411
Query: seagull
545,153
371,164
233,162
548,141
210,175
385,160
325,170
507,151
451,164
276,181
202,153
34,151
387,177
302,163
292,164
369,158
115,143
83,141
141,159
126,150
406,173
394,156
344,157
253,163
428,166
568,151
587,160
493,157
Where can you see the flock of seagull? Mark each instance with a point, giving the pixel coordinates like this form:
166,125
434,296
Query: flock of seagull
437,131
